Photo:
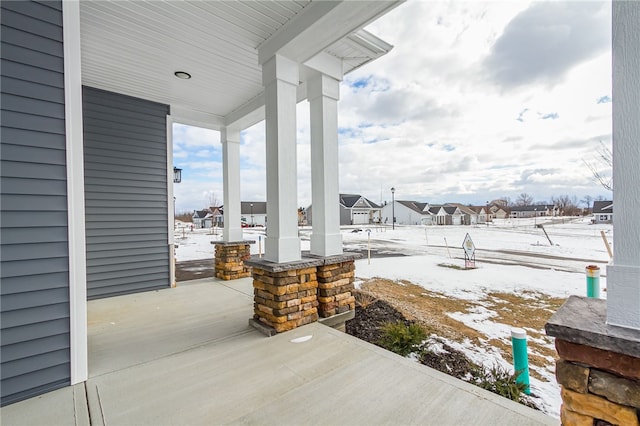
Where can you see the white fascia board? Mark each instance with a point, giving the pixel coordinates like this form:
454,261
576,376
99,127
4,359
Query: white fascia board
190,117
370,42
79,371
319,25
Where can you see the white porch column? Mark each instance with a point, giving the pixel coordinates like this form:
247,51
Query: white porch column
230,139
623,275
280,79
323,93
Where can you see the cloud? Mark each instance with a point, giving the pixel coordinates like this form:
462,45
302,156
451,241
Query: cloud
542,43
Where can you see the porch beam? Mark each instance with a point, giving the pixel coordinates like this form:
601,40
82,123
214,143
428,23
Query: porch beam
320,24
280,78
623,275
230,139
191,117
326,64
323,95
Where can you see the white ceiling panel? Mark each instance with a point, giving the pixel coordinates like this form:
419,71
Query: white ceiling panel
134,48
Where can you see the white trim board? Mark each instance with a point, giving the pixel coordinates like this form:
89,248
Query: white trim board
75,192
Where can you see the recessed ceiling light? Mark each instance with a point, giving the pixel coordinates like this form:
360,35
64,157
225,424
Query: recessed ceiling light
183,75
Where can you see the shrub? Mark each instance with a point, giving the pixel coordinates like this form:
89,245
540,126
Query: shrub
498,380
364,299
401,338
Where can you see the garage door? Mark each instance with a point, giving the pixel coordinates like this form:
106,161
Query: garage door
360,218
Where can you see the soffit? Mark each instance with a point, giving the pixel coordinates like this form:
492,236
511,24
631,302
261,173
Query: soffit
134,48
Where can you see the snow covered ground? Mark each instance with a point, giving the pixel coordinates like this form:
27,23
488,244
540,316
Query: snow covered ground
512,256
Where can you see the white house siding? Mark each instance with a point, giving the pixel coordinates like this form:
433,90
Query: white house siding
404,215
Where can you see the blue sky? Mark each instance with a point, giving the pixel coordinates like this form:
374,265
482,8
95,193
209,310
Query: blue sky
476,101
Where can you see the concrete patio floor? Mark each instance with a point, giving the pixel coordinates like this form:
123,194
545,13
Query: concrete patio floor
187,356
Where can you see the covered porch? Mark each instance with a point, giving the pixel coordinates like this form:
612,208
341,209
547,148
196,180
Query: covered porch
188,356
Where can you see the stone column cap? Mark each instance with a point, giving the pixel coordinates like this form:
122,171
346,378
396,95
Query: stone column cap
583,321
307,261
232,243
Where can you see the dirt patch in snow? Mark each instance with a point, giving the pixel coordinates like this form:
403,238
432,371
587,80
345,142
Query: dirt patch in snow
431,309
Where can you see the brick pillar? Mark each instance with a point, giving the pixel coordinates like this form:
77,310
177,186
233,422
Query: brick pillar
599,365
287,299
230,258
335,283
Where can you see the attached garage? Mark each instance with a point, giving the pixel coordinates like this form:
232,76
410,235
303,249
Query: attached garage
360,217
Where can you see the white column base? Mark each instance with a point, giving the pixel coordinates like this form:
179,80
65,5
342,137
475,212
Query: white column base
326,245
623,296
281,249
232,234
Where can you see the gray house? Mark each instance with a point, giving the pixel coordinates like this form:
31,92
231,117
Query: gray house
537,210
202,219
90,91
354,210
603,211
254,213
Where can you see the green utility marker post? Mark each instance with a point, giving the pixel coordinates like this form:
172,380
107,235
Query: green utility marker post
593,281
520,357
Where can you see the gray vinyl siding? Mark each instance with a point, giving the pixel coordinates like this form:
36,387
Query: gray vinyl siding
125,151
34,259
345,215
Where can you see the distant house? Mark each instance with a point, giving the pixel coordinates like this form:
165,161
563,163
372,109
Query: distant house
603,211
254,213
499,213
481,212
202,219
354,210
217,214
407,213
446,214
419,213
469,215
533,211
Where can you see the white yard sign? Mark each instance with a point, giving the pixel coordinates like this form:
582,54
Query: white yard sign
469,251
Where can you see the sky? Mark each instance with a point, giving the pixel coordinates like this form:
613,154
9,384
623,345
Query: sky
476,101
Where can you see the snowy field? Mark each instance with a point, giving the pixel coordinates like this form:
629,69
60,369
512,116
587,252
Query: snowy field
512,256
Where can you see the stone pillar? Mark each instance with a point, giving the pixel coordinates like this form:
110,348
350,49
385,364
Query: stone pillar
286,294
280,80
623,275
285,299
230,257
231,183
335,284
323,93
599,365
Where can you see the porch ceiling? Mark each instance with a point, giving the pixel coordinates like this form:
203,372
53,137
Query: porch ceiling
134,47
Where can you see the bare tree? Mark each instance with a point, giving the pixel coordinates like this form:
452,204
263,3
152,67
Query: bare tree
567,205
211,198
524,199
601,167
587,200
